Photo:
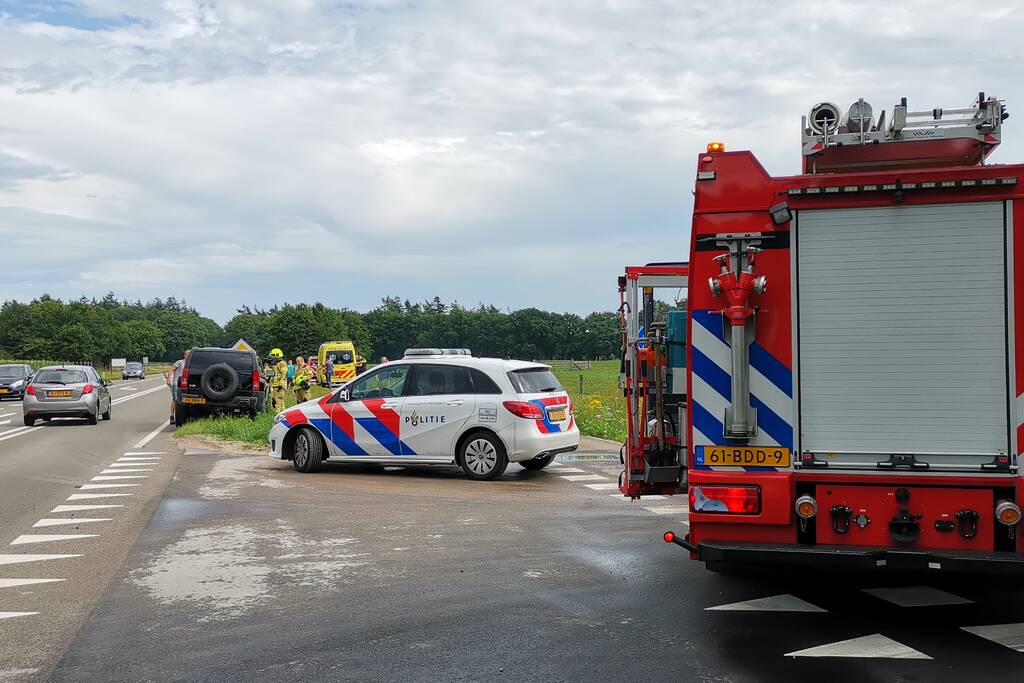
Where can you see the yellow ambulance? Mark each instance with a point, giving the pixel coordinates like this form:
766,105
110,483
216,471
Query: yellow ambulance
344,353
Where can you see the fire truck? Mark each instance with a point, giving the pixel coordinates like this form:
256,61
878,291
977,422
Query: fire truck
844,388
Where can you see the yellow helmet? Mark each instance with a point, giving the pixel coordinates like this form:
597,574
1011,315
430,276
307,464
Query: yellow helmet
276,353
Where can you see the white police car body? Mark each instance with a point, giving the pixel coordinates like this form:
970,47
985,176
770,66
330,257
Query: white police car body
434,406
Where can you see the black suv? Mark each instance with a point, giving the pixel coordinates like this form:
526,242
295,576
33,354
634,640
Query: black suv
217,381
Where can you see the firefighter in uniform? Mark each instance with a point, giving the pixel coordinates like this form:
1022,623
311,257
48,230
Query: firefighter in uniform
278,385
304,377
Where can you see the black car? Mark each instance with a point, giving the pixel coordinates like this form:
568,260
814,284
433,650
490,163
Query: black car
219,381
13,379
136,370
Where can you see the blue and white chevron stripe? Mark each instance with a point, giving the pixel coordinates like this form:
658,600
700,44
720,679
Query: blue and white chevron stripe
771,390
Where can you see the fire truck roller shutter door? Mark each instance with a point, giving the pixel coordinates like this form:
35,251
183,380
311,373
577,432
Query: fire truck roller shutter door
902,333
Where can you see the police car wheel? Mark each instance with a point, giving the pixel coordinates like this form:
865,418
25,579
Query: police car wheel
538,463
482,457
307,451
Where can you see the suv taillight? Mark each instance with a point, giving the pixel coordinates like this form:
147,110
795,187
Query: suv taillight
255,380
183,380
524,409
744,500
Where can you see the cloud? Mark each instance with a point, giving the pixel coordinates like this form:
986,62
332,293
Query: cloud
248,151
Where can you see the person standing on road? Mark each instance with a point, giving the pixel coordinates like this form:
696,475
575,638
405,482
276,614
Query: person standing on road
171,377
279,384
329,371
303,378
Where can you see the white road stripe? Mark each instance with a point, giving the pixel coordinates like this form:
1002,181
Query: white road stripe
1007,635
148,452
155,460
569,469
26,539
144,469
149,437
10,434
670,510
124,399
80,508
132,464
61,522
584,477
11,615
5,422
13,583
94,496
127,476
19,558
917,596
874,646
608,486
774,603
106,486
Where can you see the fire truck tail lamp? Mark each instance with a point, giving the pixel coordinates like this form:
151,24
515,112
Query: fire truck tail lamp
742,500
889,187
806,507
1008,513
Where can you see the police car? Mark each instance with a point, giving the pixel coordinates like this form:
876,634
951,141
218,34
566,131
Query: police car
434,406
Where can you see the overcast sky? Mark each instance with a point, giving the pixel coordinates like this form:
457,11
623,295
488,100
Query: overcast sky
514,153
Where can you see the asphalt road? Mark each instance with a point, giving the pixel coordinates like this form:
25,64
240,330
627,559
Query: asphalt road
250,571
54,563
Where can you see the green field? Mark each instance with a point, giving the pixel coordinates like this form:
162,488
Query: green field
600,409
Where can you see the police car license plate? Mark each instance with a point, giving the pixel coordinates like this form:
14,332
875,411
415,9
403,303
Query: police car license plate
58,394
556,415
742,456
193,399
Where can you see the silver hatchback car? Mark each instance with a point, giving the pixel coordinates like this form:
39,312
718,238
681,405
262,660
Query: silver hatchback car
66,391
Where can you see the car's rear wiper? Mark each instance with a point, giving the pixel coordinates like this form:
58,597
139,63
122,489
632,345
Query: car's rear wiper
549,389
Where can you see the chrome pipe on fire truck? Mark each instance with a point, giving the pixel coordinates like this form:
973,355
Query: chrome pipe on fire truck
737,281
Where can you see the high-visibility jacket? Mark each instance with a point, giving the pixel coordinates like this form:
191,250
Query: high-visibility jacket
303,373
280,380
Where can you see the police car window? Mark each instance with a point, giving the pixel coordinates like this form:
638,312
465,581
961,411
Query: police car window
385,383
483,384
534,381
437,380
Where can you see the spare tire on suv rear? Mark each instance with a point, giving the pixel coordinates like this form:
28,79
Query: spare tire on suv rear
219,382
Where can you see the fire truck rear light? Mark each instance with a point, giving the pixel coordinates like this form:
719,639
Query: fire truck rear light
927,185
669,537
1007,181
909,186
851,188
812,190
707,158
968,183
1008,513
988,181
743,500
888,186
870,188
947,183
832,190
806,507
716,147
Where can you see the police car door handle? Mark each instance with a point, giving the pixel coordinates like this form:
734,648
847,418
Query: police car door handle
386,404
456,402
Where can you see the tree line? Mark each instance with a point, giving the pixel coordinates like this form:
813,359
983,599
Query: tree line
95,331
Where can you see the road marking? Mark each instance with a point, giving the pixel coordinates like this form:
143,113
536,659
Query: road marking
607,486
584,477
570,469
121,462
93,496
131,397
670,510
1008,635
72,520
11,615
12,583
144,469
5,422
19,558
19,431
148,452
80,508
127,476
106,486
131,464
149,437
875,646
917,596
774,603
26,539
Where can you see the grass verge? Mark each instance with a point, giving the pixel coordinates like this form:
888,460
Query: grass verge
250,431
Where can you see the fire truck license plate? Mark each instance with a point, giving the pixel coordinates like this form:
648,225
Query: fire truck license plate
742,456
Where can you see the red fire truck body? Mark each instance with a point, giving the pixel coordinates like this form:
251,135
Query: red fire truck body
855,351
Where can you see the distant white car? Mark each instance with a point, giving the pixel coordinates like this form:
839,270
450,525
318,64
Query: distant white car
435,406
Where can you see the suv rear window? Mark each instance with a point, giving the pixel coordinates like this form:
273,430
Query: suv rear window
201,359
534,381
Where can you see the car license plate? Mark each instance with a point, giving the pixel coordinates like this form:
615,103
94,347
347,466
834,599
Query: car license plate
58,394
4,390
556,415
742,456
193,399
